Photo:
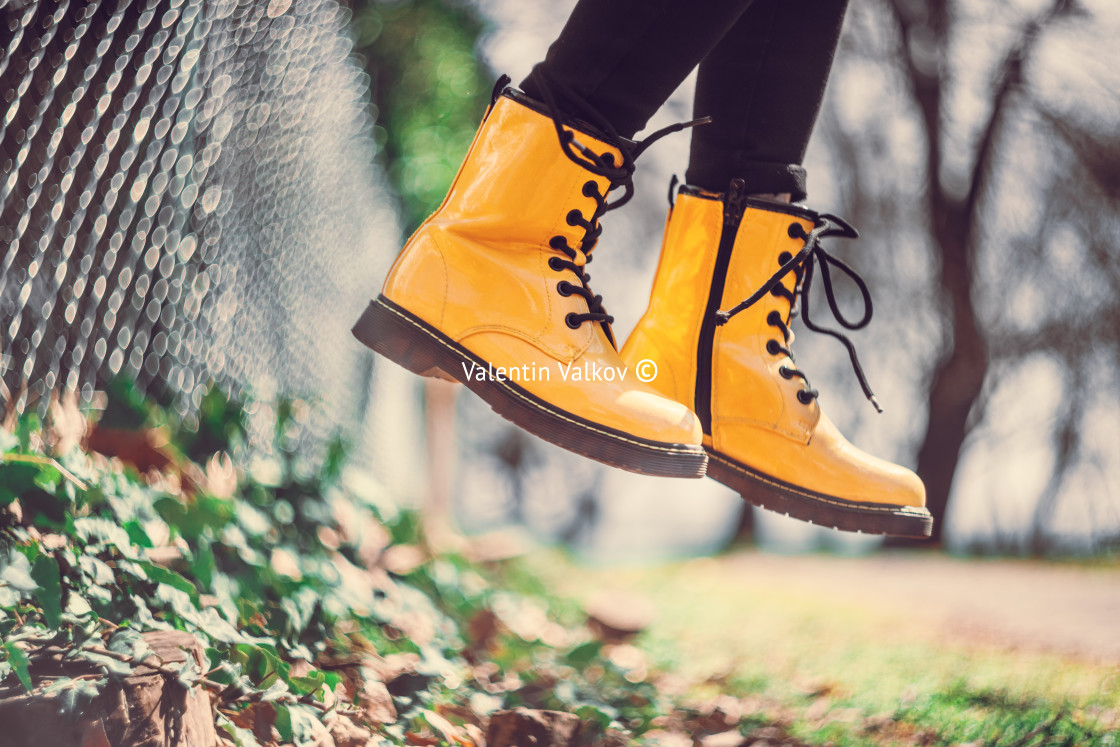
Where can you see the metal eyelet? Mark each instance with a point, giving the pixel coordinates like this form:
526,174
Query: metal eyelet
786,373
804,397
574,217
785,256
573,321
556,263
773,318
773,348
590,189
795,231
564,288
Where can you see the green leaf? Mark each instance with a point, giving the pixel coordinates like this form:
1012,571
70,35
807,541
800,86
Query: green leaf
162,575
240,737
582,655
130,642
18,479
26,426
78,694
283,722
17,573
45,573
137,534
114,667
18,659
98,530
259,663
307,684
193,519
189,673
601,715
332,679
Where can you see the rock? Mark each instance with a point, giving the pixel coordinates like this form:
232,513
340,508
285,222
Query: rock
616,617
524,727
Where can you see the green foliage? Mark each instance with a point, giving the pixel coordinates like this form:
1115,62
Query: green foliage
429,90
280,572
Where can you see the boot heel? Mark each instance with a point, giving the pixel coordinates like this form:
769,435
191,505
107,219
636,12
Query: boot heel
386,332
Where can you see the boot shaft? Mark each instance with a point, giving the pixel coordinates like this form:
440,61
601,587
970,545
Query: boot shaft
515,197
718,248
516,187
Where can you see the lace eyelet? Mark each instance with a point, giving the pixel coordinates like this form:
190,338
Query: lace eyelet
804,397
608,158
786,373
574,217
785,256
564,288
773,348
573,321
773,318
556,263
590,189
558,242
795,231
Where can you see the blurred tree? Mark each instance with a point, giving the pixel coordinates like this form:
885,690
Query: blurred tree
1015,182
428,88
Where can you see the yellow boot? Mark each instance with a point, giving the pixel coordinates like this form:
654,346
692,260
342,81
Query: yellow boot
729,359
492,291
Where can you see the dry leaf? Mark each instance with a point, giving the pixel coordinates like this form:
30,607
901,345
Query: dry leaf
346,733
68,425
402,559
221,476
376,702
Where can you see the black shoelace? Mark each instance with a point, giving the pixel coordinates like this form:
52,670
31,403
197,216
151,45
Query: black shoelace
802,264
602,165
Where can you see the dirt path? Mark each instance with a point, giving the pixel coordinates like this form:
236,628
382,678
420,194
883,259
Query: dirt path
1023,604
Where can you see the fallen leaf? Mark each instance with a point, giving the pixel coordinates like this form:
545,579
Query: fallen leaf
376,702
730,738
221,476
345,732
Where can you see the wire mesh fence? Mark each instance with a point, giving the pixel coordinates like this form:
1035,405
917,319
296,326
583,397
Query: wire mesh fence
187,196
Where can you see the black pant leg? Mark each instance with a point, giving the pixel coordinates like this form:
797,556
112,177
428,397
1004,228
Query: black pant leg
626,57
763,84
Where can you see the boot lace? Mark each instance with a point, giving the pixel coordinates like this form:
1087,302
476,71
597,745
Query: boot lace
603,165
802,265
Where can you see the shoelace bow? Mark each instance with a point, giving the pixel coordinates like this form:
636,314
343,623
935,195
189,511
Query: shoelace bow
802,264
602,165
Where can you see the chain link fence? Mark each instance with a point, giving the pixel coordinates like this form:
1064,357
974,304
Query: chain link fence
187,196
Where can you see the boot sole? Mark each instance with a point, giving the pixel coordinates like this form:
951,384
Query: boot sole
390,330
824,510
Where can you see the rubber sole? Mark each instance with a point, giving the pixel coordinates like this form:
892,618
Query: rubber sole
773,494
403,338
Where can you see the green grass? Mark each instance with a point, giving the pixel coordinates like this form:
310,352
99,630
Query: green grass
844,674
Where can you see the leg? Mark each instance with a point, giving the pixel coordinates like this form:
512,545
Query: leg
762,86
722,343
626,57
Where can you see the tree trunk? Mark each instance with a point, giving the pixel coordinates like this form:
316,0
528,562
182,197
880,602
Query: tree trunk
959,375
142,710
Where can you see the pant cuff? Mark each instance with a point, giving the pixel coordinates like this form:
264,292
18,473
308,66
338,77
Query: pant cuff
761,177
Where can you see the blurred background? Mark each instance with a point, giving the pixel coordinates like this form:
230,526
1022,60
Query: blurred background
211,191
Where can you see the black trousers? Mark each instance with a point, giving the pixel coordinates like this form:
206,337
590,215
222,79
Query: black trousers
763,66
